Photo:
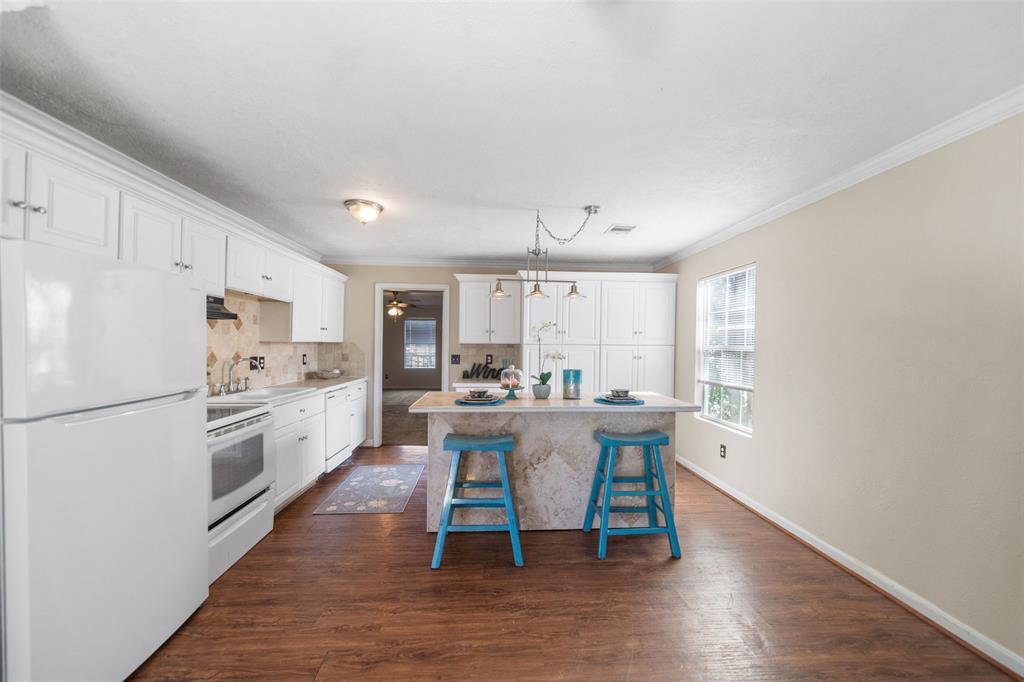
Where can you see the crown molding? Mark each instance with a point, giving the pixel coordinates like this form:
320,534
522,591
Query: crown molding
513,264
969,122
38,130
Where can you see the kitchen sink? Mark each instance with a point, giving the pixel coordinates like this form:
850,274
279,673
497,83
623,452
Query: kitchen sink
269,394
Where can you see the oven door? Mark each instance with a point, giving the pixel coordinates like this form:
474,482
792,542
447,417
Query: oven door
242,461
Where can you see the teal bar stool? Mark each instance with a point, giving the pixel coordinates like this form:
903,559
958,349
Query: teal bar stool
458,445
654,472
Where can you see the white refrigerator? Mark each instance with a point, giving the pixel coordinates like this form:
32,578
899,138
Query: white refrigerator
104,468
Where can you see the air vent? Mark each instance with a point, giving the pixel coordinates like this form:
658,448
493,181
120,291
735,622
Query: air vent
620,229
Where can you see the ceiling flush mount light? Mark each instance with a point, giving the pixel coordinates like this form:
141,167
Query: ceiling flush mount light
364,210
533,256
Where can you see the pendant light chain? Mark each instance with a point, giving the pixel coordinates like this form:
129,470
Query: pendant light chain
562,241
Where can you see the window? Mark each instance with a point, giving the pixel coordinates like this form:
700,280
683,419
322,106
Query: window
420,344
725,375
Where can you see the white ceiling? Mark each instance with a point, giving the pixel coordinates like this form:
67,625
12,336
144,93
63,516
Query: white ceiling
461,118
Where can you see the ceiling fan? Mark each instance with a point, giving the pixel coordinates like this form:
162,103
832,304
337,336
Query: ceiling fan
395,308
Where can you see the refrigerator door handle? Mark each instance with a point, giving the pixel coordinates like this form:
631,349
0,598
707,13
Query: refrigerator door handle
92,416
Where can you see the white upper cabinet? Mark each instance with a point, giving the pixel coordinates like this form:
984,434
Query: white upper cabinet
580,321
73,209
483,319
13,190
150,234
332,311
277,271
316,313
203,249
656,313
618,312
246,270
537,311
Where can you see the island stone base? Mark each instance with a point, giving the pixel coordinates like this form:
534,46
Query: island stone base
551,468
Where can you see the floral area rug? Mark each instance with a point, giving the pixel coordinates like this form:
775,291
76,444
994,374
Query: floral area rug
373,489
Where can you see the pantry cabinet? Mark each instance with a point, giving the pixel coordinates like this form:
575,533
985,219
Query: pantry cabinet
577,321
483,319
638,368
71,208
638,313
587,359
316,313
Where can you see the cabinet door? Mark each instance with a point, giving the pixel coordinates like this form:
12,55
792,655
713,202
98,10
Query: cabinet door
150,234
358,416
537,311
475,312
203,252
587,359
656,313
339,422
580,322
13,194
277,273
313,450
618,313
332,311
72,209
656,369
531,365
307,302
618,367
507,314
246,266
289,463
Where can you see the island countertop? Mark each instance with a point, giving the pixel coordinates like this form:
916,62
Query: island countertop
443,401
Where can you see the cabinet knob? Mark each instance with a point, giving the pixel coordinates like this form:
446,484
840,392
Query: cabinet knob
302,410
177,263
270,278
187,266
41,210
18,204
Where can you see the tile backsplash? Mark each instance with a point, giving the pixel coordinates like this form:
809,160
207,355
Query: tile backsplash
477,354
229,340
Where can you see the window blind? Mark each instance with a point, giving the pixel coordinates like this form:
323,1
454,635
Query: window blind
727,347
420,344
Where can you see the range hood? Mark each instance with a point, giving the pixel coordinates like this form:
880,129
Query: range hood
215,309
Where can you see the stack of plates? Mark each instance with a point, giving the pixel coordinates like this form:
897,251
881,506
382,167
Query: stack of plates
485,399
612,399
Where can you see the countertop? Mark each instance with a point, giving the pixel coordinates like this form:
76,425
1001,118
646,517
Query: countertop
322,384
442,401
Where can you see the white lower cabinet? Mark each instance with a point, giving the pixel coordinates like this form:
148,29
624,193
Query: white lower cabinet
618,367
638,368
584,358
357,414
289,463
312,439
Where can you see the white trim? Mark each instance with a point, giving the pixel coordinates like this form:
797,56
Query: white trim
996,651
44,134
969,122
378,342
508,263
606,276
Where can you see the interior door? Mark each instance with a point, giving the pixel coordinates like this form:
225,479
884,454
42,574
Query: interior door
618,313
289,462
581,317
507,314
150,234
332,313
618,367
13,190
475,312
587,359
203,254
97,582
655,368
72,209
656,313
277,270
246,266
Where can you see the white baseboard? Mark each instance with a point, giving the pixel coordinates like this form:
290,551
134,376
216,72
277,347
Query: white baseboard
994,650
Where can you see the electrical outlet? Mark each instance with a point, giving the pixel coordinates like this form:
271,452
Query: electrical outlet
254,363
456,359
721,450
304,361
263,363
488,359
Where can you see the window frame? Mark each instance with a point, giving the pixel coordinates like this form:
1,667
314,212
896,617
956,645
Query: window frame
699,381
405,345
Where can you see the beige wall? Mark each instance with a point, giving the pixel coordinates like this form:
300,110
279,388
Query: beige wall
889,386
359,301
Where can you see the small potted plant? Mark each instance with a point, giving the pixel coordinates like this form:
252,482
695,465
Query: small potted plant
542,389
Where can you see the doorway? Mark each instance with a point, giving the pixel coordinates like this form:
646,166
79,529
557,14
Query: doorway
411,349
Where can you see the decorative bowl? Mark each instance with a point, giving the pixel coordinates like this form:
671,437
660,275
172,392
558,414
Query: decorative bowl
620,392
328,373
479,393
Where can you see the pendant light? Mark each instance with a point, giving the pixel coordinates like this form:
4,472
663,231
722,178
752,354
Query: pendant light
498,292
536,292
574,293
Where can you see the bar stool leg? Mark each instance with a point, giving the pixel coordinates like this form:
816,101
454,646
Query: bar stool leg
446,510
666,504
595,488
606,505
510,510
652,513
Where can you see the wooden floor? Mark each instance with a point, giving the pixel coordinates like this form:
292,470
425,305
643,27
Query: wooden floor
352,597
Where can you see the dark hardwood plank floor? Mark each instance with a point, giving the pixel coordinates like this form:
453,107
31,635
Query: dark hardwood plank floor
352,597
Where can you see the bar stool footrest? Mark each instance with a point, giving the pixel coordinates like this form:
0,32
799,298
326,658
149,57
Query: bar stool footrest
478,502
479,484
480,528
636,493
659,530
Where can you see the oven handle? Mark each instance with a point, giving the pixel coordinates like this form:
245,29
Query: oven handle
227,433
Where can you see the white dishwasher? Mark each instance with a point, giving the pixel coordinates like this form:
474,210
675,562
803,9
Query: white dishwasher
339,428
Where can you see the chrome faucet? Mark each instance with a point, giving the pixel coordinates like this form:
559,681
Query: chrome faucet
231,387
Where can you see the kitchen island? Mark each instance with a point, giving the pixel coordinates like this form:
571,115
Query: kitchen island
552,466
